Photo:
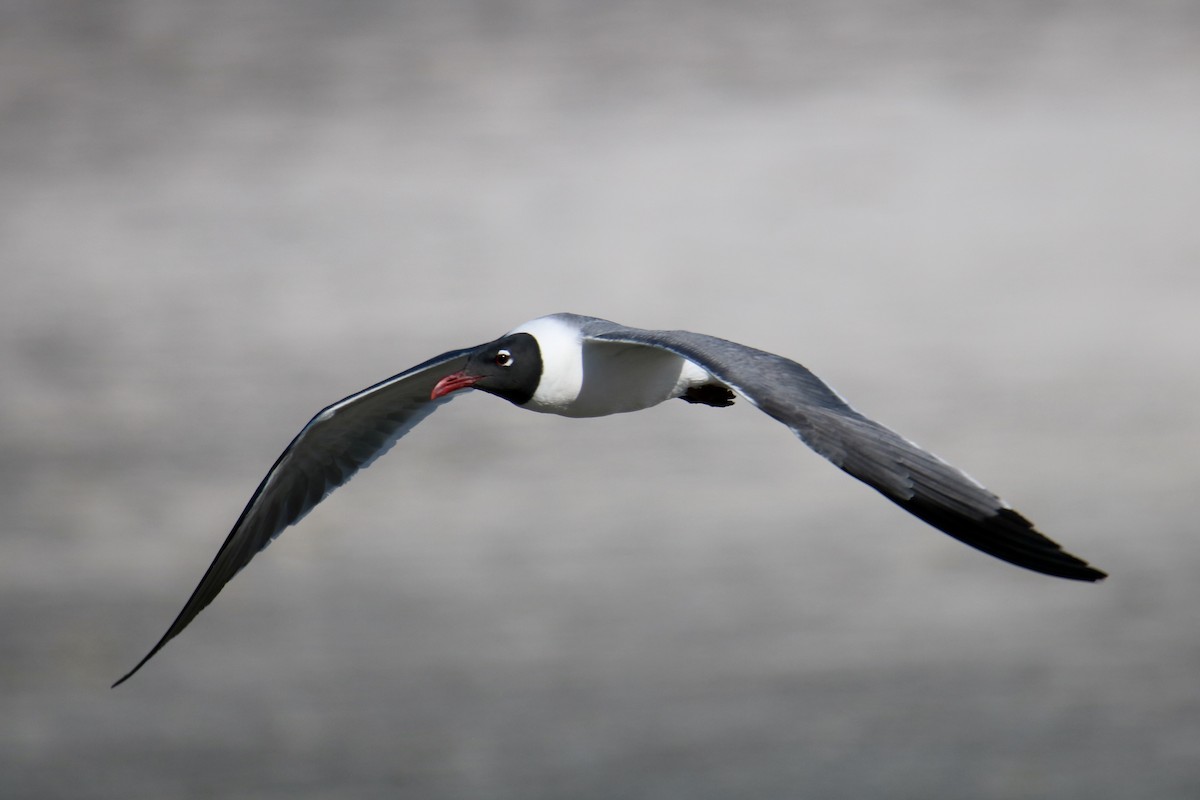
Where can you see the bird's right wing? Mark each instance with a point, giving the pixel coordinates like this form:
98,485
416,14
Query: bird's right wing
339,441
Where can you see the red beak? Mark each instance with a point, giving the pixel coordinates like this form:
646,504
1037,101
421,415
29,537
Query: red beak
453,382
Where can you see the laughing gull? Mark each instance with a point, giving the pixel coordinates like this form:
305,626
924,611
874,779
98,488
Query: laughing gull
579,366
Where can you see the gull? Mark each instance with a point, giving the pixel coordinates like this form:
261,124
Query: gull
578,366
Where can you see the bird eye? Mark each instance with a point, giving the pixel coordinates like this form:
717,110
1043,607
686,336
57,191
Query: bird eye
503,358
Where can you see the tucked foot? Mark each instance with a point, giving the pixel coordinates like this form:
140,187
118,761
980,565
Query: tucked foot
710,394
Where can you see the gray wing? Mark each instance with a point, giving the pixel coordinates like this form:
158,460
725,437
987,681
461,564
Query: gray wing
917,481
338,442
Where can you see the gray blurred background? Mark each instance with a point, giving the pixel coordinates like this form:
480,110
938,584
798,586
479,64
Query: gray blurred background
977,220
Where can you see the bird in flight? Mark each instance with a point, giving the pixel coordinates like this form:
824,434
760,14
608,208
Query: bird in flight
580,366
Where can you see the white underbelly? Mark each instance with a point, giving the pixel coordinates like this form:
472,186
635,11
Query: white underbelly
617,378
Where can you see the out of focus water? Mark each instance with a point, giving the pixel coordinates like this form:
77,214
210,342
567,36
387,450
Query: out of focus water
978,221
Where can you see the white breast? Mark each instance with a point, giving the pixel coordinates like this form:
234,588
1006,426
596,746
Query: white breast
592,379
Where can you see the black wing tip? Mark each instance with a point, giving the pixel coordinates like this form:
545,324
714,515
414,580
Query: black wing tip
129,674
1072,567
142,663
1010,537
1076,570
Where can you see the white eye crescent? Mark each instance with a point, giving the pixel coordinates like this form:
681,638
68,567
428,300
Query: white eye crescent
503,358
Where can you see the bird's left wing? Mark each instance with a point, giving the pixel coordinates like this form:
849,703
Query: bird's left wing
912,478
339,441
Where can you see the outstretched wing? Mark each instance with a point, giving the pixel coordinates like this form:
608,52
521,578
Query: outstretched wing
335,444
917,481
